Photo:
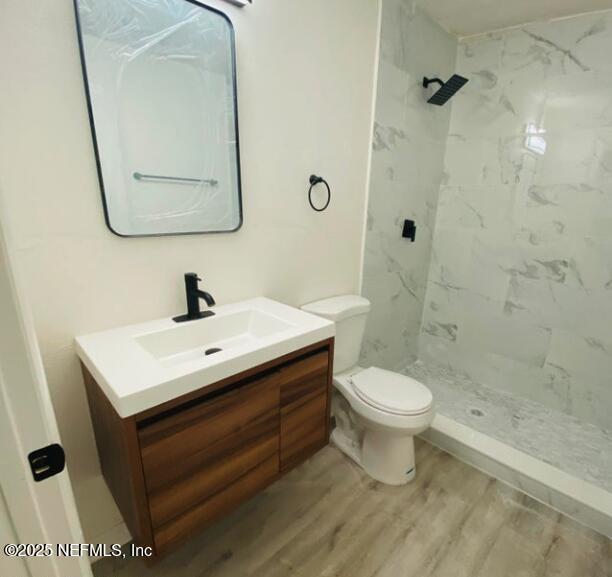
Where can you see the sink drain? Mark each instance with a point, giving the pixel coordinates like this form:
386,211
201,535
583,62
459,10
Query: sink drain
212,351
477,412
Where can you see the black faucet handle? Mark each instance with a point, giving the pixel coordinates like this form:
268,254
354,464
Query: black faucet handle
192,275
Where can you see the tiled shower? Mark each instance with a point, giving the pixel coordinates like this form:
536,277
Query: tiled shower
503,305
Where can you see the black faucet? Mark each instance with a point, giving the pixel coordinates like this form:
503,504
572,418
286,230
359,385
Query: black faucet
194,294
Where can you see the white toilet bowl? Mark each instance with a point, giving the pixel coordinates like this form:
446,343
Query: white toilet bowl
385,409
388,421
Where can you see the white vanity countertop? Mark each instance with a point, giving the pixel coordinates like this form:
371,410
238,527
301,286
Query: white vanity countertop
141,366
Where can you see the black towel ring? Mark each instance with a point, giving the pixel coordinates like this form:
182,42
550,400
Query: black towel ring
314,180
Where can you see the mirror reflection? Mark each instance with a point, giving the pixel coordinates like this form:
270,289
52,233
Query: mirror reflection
160,77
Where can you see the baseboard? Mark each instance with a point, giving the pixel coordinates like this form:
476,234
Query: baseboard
574,497
115,535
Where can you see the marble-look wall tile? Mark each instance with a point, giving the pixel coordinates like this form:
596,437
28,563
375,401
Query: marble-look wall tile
407,165
519,292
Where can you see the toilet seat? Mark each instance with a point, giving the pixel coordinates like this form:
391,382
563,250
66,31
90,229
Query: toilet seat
391,392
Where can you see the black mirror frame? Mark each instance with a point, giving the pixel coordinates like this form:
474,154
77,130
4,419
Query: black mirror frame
95,140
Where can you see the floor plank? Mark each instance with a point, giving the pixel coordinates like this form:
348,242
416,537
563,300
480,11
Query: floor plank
328,519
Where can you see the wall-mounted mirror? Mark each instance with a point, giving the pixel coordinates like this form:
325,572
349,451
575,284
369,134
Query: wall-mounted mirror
160,78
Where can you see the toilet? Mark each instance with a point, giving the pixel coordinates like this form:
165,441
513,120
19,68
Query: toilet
378,412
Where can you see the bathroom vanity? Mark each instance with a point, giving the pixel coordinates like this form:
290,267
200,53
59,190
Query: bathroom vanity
177,463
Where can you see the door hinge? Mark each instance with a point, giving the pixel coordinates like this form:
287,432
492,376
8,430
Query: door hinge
47,462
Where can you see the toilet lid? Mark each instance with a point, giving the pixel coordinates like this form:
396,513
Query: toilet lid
392,392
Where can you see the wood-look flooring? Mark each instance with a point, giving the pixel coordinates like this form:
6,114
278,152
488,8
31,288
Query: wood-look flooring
328,519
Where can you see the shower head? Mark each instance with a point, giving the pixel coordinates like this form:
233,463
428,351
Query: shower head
447,89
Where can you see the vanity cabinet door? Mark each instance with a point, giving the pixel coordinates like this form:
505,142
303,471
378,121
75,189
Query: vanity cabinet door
304,408
201,461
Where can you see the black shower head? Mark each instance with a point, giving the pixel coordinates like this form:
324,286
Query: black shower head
447,89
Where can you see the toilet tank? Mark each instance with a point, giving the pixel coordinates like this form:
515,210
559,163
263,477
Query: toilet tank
349,313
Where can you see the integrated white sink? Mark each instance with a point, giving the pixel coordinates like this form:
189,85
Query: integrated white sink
141,366
193,340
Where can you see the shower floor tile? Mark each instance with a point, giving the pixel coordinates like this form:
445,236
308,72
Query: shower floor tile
578,448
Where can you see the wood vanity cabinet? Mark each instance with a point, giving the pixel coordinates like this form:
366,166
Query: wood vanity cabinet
178,467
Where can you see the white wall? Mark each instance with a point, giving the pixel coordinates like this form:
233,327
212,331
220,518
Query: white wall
305,75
